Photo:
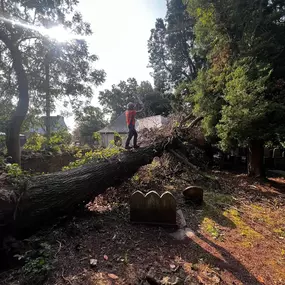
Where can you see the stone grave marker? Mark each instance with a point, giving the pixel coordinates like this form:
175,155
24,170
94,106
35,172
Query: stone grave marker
137,207
194,194
153,209
168,208
277,153
267,153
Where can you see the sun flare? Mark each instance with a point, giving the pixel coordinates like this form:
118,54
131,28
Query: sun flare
59,33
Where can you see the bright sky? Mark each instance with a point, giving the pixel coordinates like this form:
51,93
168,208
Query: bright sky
121,31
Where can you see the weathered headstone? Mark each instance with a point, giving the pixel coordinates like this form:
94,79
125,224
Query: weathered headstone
137,203
267,152
153,209
277,153
194,194
167,208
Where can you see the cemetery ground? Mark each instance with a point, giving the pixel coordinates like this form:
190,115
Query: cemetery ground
236,237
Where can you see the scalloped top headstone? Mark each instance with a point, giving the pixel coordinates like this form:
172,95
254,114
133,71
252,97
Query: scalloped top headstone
153,209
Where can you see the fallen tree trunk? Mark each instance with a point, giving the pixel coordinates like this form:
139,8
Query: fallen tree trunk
47,197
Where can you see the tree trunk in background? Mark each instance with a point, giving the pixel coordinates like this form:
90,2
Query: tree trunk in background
47,70
255,159
48,197
14,126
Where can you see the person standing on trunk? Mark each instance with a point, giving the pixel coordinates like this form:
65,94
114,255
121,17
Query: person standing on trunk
131,123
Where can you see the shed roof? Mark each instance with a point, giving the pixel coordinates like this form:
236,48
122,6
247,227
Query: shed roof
119,125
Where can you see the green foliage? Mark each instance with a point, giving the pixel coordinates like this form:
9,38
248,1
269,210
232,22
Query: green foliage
244,116
16,176
116,99
93,156
71,65
89,120
35,142
38,264
97,137
117,135
238,91
2,143
171,47
58,141
14,170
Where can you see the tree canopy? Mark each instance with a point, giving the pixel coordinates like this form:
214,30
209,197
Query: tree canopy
26,52
240,92
172,53
89,120
115,100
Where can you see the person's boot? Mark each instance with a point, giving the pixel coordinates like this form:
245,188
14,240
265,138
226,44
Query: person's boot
127,147
136,146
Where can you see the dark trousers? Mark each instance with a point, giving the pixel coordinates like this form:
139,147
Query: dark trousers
132,134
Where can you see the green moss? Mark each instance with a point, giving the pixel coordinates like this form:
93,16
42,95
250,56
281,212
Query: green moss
249,235
218,199
256,207
210,227
259,213
280,232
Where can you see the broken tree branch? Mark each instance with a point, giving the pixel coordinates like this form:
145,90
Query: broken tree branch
47,197
195,122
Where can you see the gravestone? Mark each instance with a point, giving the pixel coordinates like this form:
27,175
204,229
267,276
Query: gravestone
167,208
194,194
136,205
278,159
153,209
267,153
277,153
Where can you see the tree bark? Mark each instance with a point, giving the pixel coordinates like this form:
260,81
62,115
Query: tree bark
14,126
50,196
255,159
47,74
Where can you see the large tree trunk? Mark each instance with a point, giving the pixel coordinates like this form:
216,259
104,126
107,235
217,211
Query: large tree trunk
50,196
255,159
14,126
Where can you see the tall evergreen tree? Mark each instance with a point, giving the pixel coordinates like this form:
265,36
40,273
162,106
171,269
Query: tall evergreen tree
172,53
240,93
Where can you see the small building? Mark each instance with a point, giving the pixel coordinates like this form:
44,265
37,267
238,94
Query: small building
119,126
57,123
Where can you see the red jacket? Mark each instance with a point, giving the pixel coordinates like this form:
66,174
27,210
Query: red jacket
130,117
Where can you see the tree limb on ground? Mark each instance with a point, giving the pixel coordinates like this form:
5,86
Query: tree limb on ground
186,162
50,196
